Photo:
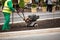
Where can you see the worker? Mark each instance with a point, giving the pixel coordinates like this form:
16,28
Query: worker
7,10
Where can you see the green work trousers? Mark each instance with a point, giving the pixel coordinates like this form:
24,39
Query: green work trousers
7,20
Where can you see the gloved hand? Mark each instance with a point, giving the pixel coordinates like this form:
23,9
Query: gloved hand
15,10
27,19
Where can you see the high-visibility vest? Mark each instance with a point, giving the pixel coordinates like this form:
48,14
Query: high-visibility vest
6,8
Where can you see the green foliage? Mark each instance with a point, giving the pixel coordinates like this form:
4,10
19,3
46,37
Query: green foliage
44,5
21,3
34,5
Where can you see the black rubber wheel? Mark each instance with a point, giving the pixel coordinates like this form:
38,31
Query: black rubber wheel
35,25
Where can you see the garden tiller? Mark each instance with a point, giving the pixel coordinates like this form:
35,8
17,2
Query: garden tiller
30,20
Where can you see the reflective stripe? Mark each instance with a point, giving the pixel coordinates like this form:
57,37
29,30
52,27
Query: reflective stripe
6,9
5,6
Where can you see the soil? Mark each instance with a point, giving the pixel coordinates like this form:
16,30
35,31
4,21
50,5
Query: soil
53,23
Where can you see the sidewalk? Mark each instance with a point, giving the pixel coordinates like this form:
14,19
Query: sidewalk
43,16
30,13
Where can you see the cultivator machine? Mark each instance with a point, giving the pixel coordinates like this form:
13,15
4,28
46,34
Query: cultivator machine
30,20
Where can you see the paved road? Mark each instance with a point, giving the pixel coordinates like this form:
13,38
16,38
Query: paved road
41,34
38,37
43,16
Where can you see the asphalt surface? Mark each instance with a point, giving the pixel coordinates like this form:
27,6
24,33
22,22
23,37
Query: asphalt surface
54,36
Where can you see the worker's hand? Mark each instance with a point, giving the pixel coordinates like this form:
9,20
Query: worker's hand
15,10
27,19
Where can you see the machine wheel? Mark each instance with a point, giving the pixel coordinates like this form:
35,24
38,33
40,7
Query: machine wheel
36,25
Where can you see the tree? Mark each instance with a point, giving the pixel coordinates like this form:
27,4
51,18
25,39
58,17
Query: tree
21,4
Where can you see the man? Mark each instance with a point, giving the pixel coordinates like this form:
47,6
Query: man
7,10
49,5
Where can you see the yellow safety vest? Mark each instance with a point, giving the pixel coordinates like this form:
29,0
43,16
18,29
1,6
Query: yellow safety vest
6,8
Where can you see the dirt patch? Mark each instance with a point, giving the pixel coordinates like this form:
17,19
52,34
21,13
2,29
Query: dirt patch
53,23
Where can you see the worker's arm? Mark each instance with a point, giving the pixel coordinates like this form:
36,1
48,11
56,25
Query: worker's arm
10,5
